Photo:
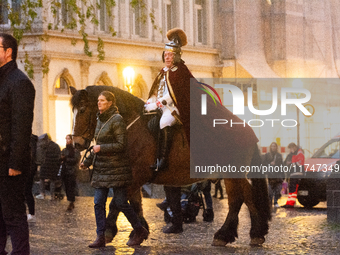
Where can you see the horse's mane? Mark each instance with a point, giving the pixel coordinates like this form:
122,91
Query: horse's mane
127,103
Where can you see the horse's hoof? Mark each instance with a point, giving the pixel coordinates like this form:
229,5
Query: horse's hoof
140,235
257,241
218,242
108,238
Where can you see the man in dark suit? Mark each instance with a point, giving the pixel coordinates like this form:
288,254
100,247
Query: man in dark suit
17,95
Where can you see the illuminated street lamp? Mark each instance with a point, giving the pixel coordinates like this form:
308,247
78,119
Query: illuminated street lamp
297,83
129,76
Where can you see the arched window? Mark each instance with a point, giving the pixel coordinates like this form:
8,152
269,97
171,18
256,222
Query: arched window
140,87
103,79
61,124
61,86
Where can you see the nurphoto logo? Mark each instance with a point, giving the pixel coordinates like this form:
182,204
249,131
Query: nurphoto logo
238,105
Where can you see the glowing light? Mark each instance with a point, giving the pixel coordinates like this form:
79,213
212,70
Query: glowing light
129,76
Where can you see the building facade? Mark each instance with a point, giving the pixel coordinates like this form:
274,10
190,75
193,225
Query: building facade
226,39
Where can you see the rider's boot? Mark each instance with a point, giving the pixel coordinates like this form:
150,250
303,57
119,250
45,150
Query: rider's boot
173,195
164,149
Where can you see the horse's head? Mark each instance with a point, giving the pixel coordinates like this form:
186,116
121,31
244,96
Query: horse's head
84,118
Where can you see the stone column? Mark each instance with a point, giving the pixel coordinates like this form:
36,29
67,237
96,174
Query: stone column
120,81
217,74
41,107
84,73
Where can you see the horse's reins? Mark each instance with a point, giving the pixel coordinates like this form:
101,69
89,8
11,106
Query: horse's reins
133,122
88,150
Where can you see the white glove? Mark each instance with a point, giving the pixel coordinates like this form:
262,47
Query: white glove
150,107
151,100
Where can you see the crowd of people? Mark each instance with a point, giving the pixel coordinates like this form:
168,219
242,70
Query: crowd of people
24,153
295,159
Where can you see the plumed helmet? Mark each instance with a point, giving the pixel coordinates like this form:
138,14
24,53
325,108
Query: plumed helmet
177,39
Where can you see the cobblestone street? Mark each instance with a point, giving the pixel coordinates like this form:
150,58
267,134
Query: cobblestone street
292,231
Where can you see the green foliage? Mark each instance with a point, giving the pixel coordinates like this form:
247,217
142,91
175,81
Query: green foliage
153,21
21,19
73,41
69,15
100,49
86,44
45,65
112,31
29,66
139,5
45,37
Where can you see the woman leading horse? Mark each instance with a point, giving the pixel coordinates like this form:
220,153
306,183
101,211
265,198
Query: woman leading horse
111,169
141,148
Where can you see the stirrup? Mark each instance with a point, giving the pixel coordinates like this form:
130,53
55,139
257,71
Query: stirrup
165,164
154,167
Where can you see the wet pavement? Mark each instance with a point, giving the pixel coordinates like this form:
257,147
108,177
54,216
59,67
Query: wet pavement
292,231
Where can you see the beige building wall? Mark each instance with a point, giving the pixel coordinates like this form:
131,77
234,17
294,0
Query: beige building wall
235,39
138,47
286,39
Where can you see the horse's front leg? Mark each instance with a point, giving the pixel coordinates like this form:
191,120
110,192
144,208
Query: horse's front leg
259,210
111,224
228,232
136,202
111,221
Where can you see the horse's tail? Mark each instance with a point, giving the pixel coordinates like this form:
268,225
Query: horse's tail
260,195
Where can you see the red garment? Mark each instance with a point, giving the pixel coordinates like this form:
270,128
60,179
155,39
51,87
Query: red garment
299,158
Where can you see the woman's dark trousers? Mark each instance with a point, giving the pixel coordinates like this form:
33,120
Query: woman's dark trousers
70,186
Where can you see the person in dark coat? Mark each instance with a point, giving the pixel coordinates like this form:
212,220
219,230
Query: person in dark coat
30,180
205,187
70,164
275,178
111,169
17,95
50,167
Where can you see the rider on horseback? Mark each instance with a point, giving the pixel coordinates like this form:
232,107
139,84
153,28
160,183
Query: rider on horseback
162,96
